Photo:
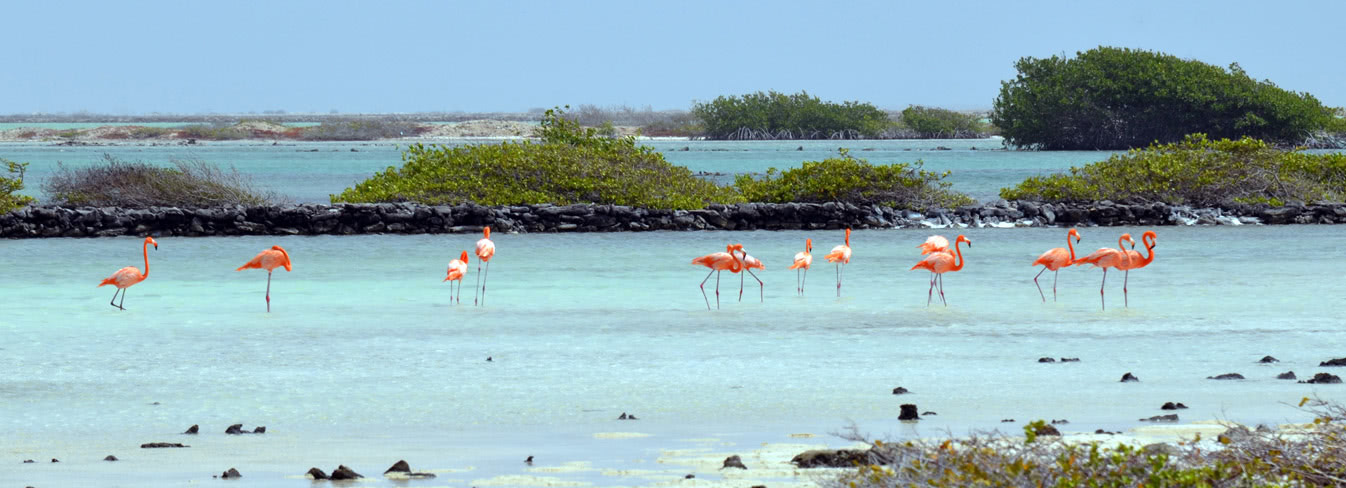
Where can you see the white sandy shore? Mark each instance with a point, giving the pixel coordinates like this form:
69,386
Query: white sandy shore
471,129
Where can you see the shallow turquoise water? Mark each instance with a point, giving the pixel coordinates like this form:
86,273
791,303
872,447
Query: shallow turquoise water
364,360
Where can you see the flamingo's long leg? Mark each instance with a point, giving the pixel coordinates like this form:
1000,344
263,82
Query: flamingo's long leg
740,287
114,297
717,290
268,292
477,289
1125,276
941,290
799,287
930,294
703,289
1101,300
761,288
122,305
805,280
1055,274
483,283
1035,282
838,279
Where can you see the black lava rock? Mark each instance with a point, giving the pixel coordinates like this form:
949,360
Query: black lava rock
110,458
159,445
1226,376
344,473
1046,360
1288,375
1172,406
908,412
900,391
1268,360
733,462
1334,362
1172,417
193,429
1324,379
1128,377
317,474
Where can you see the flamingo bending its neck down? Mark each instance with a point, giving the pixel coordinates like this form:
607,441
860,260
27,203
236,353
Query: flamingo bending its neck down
939,263
485,250
129,275
801,265
717,262
1055,259
934,244
749,263
457,269
269,260
840,255
1138,261
1108,258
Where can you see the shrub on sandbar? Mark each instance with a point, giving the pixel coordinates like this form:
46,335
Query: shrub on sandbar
8,199
849,179
1196,171
570,164
117,183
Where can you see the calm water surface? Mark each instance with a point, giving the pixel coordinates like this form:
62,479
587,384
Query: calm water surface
364,360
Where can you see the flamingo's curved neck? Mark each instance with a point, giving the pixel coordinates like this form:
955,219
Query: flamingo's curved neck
1126,256
1149,249
1070,245
958,253
145,250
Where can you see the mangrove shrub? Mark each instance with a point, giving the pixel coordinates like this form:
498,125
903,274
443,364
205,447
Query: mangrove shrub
1197,171
848,179
1117,98
571,164
774,115
941,123
117,183
9,199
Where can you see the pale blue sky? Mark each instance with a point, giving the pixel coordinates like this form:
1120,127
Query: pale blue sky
402,56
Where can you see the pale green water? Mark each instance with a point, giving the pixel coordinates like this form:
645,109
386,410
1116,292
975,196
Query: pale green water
363,360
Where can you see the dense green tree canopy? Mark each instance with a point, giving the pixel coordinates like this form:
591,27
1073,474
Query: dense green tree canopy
774,115
1116,98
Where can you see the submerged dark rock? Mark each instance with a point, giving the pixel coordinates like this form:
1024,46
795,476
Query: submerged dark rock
400,466
1226,376
908,412
830,458
344,473
1046,360
1172,417
160,445
900,391
231,474
316,474
1288,375
1324,378
235,429
1172,406
193,429
1070,360
1334,362
733,462
110,458
1128,377
1268,360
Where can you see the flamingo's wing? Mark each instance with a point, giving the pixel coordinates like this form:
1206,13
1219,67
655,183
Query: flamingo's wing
934,244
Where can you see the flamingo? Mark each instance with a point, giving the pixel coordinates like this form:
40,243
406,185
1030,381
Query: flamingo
1137,261
717,262
934,244
457,268
485,250
749,263
840,255
801,265
1055,259
129,275
1108,258
269,260
940,263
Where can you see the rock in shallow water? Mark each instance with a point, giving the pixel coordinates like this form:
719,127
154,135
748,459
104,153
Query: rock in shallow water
1288,375
1172,417
158,445
1324,379
344,473
1128,377
1226,376
908,412
1172,406
733,462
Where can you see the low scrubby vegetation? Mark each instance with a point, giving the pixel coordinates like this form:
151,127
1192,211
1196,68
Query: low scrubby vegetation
1241,457
361,130
10,185
1197,171
773,115
117,183
941,123
574,164
570,164
846,178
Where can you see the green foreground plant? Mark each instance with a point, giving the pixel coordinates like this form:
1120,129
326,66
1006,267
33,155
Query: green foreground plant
1197,171
117,183
849,179
1312,455
9,199
570,164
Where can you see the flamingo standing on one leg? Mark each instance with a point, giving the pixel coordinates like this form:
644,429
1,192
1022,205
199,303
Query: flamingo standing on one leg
717,262
840,255
457,269
1055,259
269,260
485,250
801,265
1108,258
1137,261
940,263
934,244
129,275
749,263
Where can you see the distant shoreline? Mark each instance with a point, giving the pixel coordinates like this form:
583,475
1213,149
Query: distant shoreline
264,130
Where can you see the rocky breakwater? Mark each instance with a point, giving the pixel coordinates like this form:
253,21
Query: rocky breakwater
404,218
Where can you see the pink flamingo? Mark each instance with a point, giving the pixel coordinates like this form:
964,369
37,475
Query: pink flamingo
934,244
749,263
717,262
129,275
840,255
457,269
1137,261
269,260
939,263
803,260
1055,259
1108,258
485,250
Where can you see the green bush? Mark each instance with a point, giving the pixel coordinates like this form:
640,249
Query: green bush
931,123
1197,171
1112,98
116,183
570,164
774,115
360,130
9,185
848,179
